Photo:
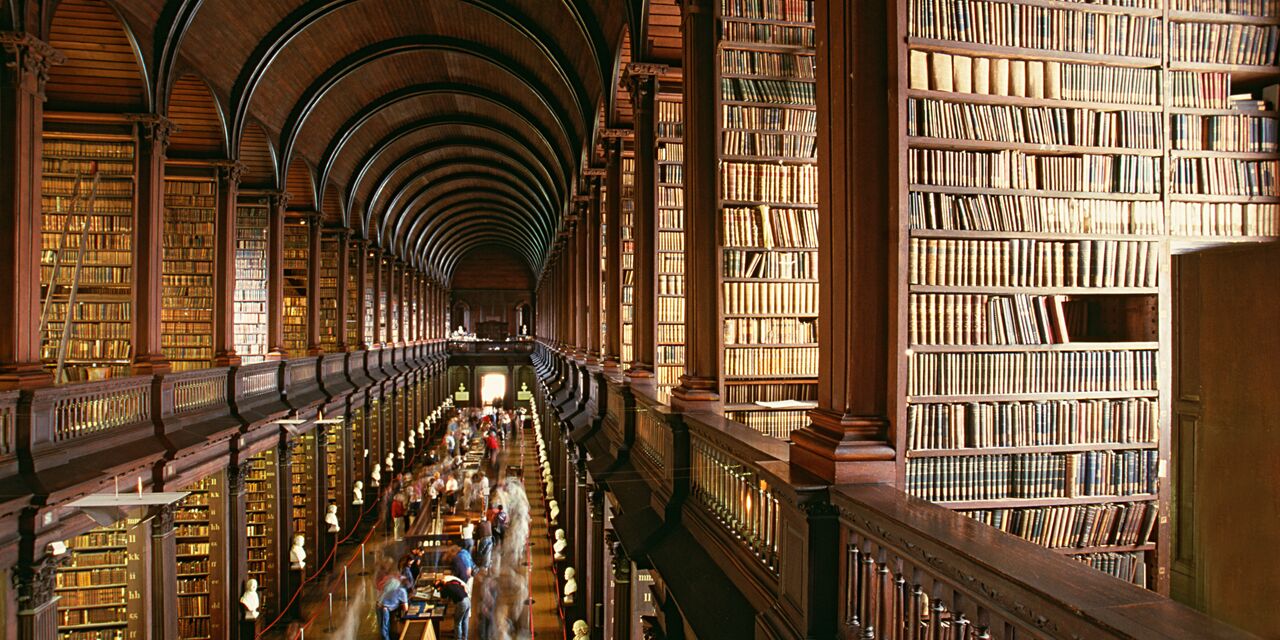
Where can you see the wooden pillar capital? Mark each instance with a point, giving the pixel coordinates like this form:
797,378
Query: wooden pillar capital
29,61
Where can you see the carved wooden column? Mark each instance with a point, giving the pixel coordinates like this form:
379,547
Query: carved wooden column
642,84
344,274
148,247
361,247
594,177
375,260
236,553
313,284
621,591
284,527
702,331
389,332
595,563
275,275
613,254
224,267
582,303
164,574
847,440
37,603
26,68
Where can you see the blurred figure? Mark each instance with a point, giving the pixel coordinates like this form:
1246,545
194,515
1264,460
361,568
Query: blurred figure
484,542
455,591
392,598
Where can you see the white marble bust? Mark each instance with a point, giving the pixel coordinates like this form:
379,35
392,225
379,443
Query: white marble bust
581,630
249,601
357,493
559,545
375,476
570,584
298,554
331,519
553,511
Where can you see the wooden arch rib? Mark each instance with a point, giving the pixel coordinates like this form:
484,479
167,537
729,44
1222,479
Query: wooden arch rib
331,205
466,221
511,176
425,237
449,261
300,186
429,203
445,121
467,235
104,70
259,158
352,64
200,127
309,14
353,124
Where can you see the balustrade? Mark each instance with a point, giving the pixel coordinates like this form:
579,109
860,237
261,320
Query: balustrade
194,391
84,409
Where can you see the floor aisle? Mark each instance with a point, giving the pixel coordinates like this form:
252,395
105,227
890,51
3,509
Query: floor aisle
354,619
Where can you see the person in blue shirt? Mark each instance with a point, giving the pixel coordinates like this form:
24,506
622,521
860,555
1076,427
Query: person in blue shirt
463,566
393,597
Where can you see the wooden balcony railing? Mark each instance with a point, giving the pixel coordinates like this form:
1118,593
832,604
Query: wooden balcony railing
84,409
8,420
737,497
491,346
194,391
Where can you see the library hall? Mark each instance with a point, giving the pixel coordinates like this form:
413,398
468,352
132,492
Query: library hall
639,319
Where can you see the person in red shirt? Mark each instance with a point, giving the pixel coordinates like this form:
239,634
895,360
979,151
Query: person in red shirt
491,445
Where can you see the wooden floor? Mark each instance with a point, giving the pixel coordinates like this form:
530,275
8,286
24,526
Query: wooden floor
352,615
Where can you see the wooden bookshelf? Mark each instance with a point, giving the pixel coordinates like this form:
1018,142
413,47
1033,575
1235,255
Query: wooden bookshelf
91,248
353,292
669,285
262,528
1044,186
767,198
251,281
101,588
297,243
329,291
373,422
335,480
186,312
360,463
628,205
304,513
199,526
370,305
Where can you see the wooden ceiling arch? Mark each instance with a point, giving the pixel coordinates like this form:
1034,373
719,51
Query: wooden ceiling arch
424,232
298,183
444,239
104,69
444,171
201,130
258,157
436,208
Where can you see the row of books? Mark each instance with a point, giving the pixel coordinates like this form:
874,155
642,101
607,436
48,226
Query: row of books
85,167
88,150
117,255
670,285
90,578
670,241
251,284
767,63
1218,43
1036,372
771,34
790,184
81,347
1225,176
100,615
745,393
786,92
775,424
1034,214
115,330
670,174
1010,169
55,186
1084,525
1035,125
764,362
60,206
1224,219
671,152
769,227
770,265
780,298
980,319
972,425
88,276
671,203
781,119
93,311
1021,262
937,71
1130,566
1241,133
1256,8
1009,24
53,225
785,10
743,143
766,331
667,333
1034,475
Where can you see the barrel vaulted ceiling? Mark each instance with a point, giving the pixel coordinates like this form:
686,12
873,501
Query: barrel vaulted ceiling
429,127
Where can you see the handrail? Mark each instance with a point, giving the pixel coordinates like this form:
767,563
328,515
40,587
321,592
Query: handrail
83,409
193,391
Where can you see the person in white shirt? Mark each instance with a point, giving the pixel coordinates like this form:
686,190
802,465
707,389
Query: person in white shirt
468,536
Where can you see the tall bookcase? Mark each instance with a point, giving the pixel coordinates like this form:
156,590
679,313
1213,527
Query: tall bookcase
303,512
768,203
354,291
669,155
360,463
186,312
98,343
297,243
262,528
370,305
251,282
1045,180
198,525
100,588
628,206
335,481
329,292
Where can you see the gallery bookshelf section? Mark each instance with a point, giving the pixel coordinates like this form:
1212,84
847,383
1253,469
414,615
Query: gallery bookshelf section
1047,179
359,454
100,588
86,261
670,255
370,304
199,528
251,282
296,266
627,296
328,292
353,292
334,478
303,514
262,527
186,311
768,205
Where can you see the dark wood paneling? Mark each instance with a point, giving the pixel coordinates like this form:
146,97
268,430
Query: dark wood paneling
194,111
102,72
299,185
258,157
492,267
